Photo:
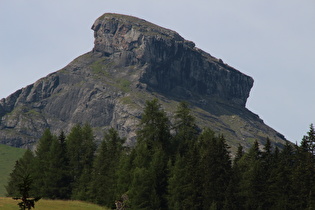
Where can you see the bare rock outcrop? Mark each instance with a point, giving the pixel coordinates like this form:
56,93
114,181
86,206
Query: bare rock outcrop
133,60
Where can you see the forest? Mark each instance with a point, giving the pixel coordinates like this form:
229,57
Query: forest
176,166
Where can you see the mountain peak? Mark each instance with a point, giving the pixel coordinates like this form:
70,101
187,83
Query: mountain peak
115,32
132,41
132,61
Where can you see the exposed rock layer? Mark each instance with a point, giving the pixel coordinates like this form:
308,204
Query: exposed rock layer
132,61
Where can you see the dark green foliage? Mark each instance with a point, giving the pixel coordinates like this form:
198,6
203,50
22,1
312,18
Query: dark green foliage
20,185
308,141
106,164
42,182
25,188
154,127
149,175
58,173
216,168
185,128
187,169
184,189
23,166
81,148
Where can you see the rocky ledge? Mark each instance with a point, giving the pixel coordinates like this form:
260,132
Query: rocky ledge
134,60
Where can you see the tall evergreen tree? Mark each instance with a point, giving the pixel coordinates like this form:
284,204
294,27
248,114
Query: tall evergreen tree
233,197
151,152
252,179
184,184
42,182
304,174
81,148
24,166
106,163
58,172
216,167
280,181
185,128
308,140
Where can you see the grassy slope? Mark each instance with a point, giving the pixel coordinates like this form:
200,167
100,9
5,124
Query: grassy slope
8,156
9,203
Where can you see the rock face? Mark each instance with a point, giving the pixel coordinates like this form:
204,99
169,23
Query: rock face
133,61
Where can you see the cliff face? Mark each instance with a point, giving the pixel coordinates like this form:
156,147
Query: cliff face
132,61
174,65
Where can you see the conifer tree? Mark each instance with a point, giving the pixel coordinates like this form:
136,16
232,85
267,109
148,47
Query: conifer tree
280,181
81,148
239,153
308,141
42,182
58,172
185,128
252,180
25,186
233,197
24,166
151,152
184,184
216,168
106,163
304,173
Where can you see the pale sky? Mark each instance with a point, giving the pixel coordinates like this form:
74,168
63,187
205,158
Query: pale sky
272,41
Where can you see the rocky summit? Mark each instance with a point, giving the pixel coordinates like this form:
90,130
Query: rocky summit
133,61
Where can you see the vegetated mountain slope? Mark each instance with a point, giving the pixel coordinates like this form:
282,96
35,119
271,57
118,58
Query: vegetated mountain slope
133,61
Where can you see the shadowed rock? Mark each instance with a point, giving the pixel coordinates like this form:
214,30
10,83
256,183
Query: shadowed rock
134,60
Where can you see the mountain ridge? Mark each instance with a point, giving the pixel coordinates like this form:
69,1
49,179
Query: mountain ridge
134,60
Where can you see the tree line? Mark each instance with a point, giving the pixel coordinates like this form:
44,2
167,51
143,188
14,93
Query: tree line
172,166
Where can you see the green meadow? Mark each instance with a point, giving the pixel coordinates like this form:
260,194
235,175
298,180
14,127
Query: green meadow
8,204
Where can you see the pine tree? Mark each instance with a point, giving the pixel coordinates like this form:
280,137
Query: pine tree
252,178
185,128
106,163
216,168
42,182
233,198
24,188
309,141
239,153
58,172
184,190
151,152
304,173
81,148
22,167
280,181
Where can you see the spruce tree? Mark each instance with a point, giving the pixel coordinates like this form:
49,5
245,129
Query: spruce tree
81,148
304,175
24,166
216,168
42,182
106,163
252,182
58,172
184,184
151,152
185,128
280,181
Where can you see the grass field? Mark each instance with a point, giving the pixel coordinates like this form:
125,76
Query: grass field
8,156
9,203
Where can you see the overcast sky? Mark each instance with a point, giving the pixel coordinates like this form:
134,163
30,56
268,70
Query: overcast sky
271,41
